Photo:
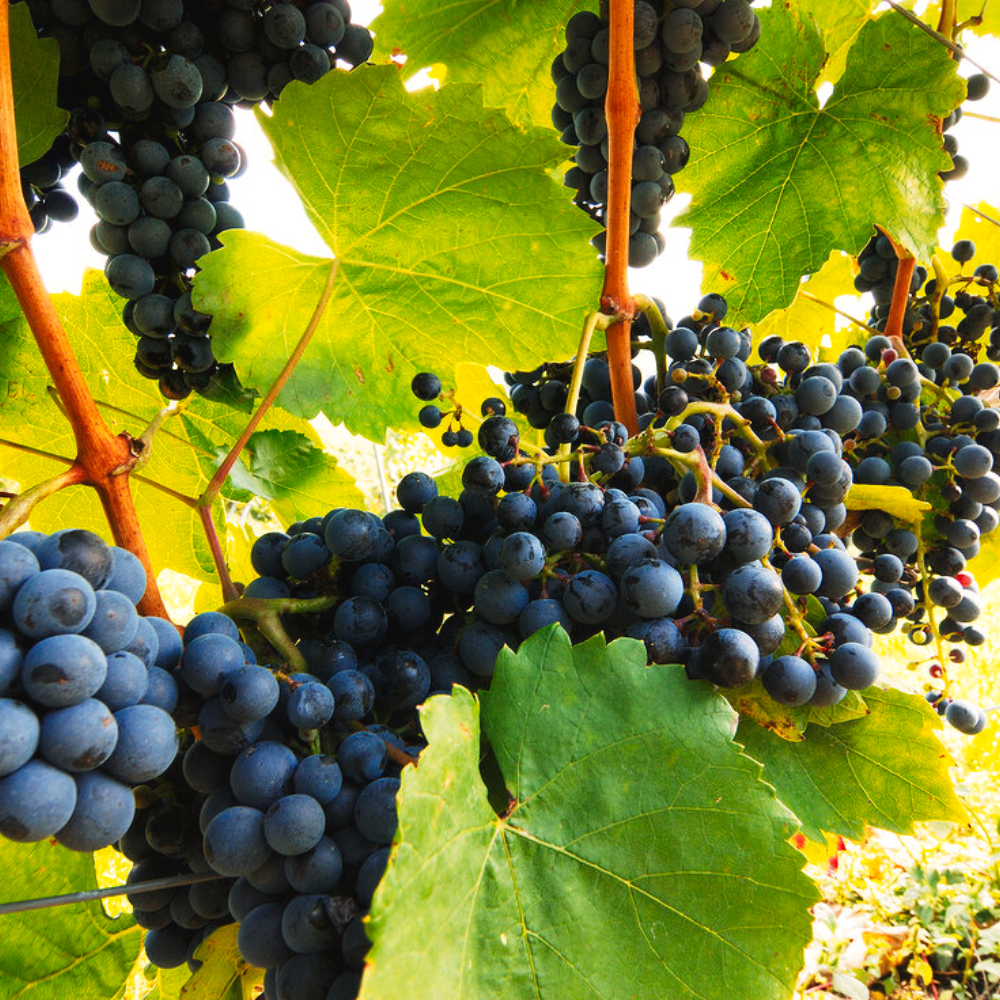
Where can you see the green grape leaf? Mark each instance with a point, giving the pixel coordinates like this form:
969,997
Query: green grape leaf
35,68
895,500
287,468
839,23
507,48
65,951
185,453
637,836
790,723
888,769
453,242
811,318
778,181
223,973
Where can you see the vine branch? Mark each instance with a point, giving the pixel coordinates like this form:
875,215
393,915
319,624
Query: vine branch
102,456
622,112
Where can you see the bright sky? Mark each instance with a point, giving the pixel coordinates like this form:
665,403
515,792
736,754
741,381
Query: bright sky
269,204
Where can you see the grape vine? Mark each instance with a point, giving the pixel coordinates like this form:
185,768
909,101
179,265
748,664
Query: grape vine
381,731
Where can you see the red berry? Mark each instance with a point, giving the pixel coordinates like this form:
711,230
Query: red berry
965,579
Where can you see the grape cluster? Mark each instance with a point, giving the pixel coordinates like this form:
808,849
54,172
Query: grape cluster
150,86
783,427
85,689
300,837
671,41
426,386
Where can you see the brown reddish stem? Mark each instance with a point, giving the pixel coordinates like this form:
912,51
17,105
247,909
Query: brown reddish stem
622,112
101,455
229,591
207,498
900,290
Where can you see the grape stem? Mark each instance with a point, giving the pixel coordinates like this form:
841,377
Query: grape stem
266,614
211,491
142,446
659,329
622,113
103,457
795,619
901,288
706,477
594,321
925,580
949,15
940,287
725,412
18,509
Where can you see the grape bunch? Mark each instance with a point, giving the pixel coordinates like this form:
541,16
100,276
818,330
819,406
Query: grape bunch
287,793
783,424
300,837
86,689
150,88
671,41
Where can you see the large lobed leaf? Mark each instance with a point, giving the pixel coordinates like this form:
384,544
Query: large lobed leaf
640,856
68,951
298,477
35,70
454,244
888,769
778,181
508,47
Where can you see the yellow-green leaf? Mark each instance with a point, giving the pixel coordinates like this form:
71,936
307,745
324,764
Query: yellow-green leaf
454,245
185,452
779,180
222,972
895,500
811,317
981,224
507,48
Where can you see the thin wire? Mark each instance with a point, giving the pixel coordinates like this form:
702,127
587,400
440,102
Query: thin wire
946,42
23,905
